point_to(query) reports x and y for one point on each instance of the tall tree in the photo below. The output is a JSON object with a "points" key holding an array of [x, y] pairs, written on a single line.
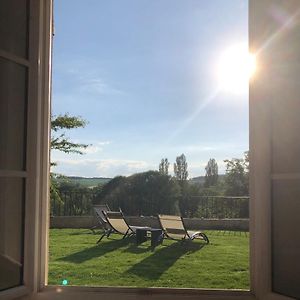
{"points": [[164, 166], [180, 168], [181, 175], [237, 176], [211, 175]]}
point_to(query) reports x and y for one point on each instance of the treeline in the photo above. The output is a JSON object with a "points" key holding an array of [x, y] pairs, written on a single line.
{"points": [[153, 192]]}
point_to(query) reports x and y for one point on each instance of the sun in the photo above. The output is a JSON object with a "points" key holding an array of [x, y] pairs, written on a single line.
{"points": [[235, 67]]}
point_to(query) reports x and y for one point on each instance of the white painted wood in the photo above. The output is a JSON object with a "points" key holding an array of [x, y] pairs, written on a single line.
{"points": [[74, 293], [11, 173], [14, 293], [38, 145], [286, 176], [265, 34], [14, 58]]}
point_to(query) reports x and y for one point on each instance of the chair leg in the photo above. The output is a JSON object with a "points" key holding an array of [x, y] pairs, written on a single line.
{"points": [[124, 236], [205, 237], [93, 229], [109, 232], [102, 236]]}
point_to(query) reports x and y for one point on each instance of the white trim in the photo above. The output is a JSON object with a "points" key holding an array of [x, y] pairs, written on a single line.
{"points": [[11, 173], [37, 188], [14, 293], [273, 296], [91, 293], [14, 58]]}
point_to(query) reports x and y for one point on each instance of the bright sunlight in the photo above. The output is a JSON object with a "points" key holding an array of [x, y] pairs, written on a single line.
{"points": [[234, 69]]}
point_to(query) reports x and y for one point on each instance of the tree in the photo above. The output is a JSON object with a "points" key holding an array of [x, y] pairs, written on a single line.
{"points": [[180, 169], [164, 166], [59, 141], [237, 176], [211, 176], [181, 175], [147, 193]]}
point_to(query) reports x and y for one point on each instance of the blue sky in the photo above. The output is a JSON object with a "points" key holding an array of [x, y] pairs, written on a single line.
{"points": [[143, 73]]}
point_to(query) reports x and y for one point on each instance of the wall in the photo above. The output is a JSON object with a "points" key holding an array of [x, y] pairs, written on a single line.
{"points": [[208, 224]]}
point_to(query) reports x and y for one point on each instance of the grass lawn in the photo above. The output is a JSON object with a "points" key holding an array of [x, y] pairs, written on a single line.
{"points": [[75, 256]]}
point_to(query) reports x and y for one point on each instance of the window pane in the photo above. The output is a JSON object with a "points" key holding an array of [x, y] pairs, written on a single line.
{"points": [[13, 100], [14, 26], [166, 103], [11, 231]]}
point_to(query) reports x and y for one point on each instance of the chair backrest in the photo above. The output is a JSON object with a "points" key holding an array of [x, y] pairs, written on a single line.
{"points": [[172, 226], [116, 221], [99, 209]]}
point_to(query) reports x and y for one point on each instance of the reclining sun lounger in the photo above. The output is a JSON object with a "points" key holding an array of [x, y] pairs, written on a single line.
{"points": [[99, 209], [173, 227], [116, 223]]}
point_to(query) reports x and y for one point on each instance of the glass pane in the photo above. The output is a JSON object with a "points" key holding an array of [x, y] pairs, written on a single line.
{"points": [[11, 231], [14, 26], [13, 98], [166, 101], [286, 243]]}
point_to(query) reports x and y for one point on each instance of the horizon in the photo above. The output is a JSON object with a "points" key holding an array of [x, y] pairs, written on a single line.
{"points": [[145, 80]]}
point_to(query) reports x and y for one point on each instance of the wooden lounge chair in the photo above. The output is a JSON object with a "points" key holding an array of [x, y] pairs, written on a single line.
{"points": [[173, 227], [117, 224], [99, 209]]}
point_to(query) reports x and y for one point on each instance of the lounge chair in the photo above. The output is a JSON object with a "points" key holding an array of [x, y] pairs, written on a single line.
{"points": [[99, 209], [116, 223], [173, 227]]}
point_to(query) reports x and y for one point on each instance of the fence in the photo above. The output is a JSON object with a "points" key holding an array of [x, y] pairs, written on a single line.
{"points": [[73, 204], [209, 207], [221, 207]]}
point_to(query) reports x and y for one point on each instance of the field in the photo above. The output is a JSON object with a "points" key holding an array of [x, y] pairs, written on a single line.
{"points": [[88, 182], [76, 258]]}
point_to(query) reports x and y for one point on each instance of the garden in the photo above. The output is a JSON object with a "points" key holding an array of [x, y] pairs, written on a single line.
{"points": [[76, 259]]}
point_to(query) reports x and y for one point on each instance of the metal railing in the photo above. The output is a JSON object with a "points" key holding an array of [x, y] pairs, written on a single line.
{"points": [[209, 207], [72, 204], [222, 207]]}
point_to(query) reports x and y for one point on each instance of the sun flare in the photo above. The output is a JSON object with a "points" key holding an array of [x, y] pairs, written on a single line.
{"points": [[235, 67]]}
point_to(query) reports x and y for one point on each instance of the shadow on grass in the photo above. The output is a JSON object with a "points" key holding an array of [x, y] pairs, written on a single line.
{"points": [[155, 265], [96, 251], [81, 232]]}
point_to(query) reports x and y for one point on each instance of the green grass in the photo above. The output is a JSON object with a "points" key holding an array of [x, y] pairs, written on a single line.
{"points": [[75, 256]]}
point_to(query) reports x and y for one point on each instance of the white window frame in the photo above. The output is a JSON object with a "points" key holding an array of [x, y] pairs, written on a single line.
{"points": [[37, 220]]}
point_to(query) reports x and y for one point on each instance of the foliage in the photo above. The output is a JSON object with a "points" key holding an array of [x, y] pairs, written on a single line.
{"points": [[222, 264], [211, 176], [147, 193], [181, 175], [180, 168], [68, 198], [237, 176], [59, 141], [164, 166]]}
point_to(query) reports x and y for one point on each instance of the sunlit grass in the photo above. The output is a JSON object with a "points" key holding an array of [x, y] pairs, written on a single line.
{"points": [[75, 257]]}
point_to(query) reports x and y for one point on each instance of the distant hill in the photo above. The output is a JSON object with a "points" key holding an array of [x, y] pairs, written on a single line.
{"points": [[94, 181], [87, 181], [201, 179]]}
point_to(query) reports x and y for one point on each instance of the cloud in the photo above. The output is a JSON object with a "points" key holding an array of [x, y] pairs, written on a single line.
{"points": [[97, 85], [87, 76], [95, 147], [101, 168]]}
